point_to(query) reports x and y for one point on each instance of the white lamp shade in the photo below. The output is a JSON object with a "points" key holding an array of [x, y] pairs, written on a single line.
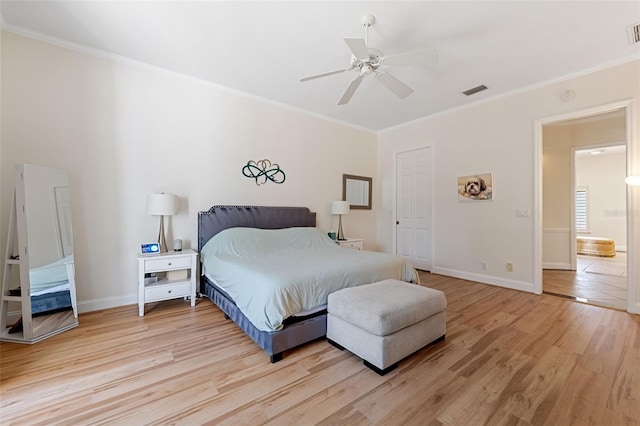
{"points": [[339, 207], [162, 204], [633, 180]]}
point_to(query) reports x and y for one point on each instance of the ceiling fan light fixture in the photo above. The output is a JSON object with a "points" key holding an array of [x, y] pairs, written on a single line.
{"points": [[366, 60]]}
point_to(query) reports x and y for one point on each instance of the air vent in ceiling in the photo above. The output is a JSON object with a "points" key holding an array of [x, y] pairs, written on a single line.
{"points": [[475, 90], [634, 33]]}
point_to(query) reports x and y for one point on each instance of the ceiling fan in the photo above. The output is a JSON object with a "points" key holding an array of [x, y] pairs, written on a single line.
{"points": [[368, 61]]}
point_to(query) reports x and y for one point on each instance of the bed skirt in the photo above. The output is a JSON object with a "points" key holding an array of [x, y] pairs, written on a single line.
{"points": [[51, 302], [274, 343]]}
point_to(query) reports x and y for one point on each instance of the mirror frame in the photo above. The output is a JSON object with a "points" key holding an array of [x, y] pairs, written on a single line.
{"points": [[369, 180]]}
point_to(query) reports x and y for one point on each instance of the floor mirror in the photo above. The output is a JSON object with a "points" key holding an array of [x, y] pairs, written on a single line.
{"points": [[38, 286]]}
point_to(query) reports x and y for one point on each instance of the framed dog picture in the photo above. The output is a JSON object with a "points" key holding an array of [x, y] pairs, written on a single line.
{"points": [[475, 188]]}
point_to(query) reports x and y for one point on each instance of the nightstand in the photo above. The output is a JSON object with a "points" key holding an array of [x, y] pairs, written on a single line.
{"points": [[178, 277], [352, 243]]}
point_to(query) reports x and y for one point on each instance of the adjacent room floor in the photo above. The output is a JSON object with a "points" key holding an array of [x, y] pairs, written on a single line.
{"points": [[599, 281]]}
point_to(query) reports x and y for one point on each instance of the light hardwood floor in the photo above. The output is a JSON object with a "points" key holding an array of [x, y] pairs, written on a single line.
{"points": [[599, 281], [509, 358]]}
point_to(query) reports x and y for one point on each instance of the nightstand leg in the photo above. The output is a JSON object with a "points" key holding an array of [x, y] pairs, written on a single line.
{"points": [[141, 289]]}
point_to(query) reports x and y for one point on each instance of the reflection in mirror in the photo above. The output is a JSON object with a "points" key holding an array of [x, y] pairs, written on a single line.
{"points": [[44, 234], [50, 243], [357, 191]]}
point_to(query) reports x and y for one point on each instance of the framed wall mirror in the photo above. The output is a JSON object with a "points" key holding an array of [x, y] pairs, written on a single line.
{"points": [[357, 190]]}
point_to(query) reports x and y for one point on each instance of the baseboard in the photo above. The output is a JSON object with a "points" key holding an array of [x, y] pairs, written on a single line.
{"points": [[106, 303], [90, 305], [557, 265], [13, 316], [485, 279]]}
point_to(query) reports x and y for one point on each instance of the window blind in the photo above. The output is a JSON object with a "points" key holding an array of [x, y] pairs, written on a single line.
{"points": [[581, 210]]}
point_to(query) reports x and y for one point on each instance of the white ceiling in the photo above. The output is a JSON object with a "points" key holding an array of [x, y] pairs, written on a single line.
{"points": [[263, 48]]}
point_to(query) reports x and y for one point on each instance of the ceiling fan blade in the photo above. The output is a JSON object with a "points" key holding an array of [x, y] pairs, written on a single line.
{"points": [[324, 74], [351, 89], [421, 57], [396, 86], [358, 47]]}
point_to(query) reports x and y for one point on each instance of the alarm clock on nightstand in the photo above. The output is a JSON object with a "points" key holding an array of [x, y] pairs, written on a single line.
{"points": [[150, 248]]}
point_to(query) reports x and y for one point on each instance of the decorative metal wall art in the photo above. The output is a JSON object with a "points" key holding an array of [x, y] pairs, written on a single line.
{"points": [[262, 171]]}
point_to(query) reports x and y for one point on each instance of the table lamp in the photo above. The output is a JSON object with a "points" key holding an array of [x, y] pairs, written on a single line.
{"points": [[340, 208], [162, 205]]}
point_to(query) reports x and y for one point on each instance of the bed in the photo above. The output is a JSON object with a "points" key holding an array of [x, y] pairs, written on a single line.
{"points": [[50, 287], [245, 252]]}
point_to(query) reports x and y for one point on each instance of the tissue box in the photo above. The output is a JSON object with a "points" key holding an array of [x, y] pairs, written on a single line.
{"points": [[180, 274]]}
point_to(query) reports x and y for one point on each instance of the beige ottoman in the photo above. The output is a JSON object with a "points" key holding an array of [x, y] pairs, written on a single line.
{"points": [[386, 321], [594, 246]]}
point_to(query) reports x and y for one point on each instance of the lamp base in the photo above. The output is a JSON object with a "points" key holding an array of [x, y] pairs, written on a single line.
{"points": [[161, 238], [340, 233]]}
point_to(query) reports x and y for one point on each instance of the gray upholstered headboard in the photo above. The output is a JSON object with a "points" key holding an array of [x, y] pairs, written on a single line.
{"points": [[219, 218]]}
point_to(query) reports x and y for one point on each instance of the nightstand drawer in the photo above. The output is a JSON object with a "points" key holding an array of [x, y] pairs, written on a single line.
{"points": [[151, 265], [167, 291], [355, 244]]}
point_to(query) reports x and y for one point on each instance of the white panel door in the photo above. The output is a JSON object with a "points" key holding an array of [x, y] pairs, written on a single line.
{"points": [[413, 210]]}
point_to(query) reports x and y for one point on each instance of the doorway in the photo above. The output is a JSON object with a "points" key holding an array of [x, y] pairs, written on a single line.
{"points": [[584, 209], [414, 217]]}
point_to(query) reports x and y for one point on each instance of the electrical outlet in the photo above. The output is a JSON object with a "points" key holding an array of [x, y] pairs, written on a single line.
{"points": [[510, 267], [485, 266]]}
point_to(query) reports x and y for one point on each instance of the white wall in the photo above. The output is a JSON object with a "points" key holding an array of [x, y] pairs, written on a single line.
{"points": [[604, 176], [124, 131], [559, 141], [556, 192], [498, 136], [557, 158]]}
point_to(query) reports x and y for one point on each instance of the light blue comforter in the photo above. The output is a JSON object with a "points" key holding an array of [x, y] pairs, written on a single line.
{"points": [[273, 274], [51, 275]]}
